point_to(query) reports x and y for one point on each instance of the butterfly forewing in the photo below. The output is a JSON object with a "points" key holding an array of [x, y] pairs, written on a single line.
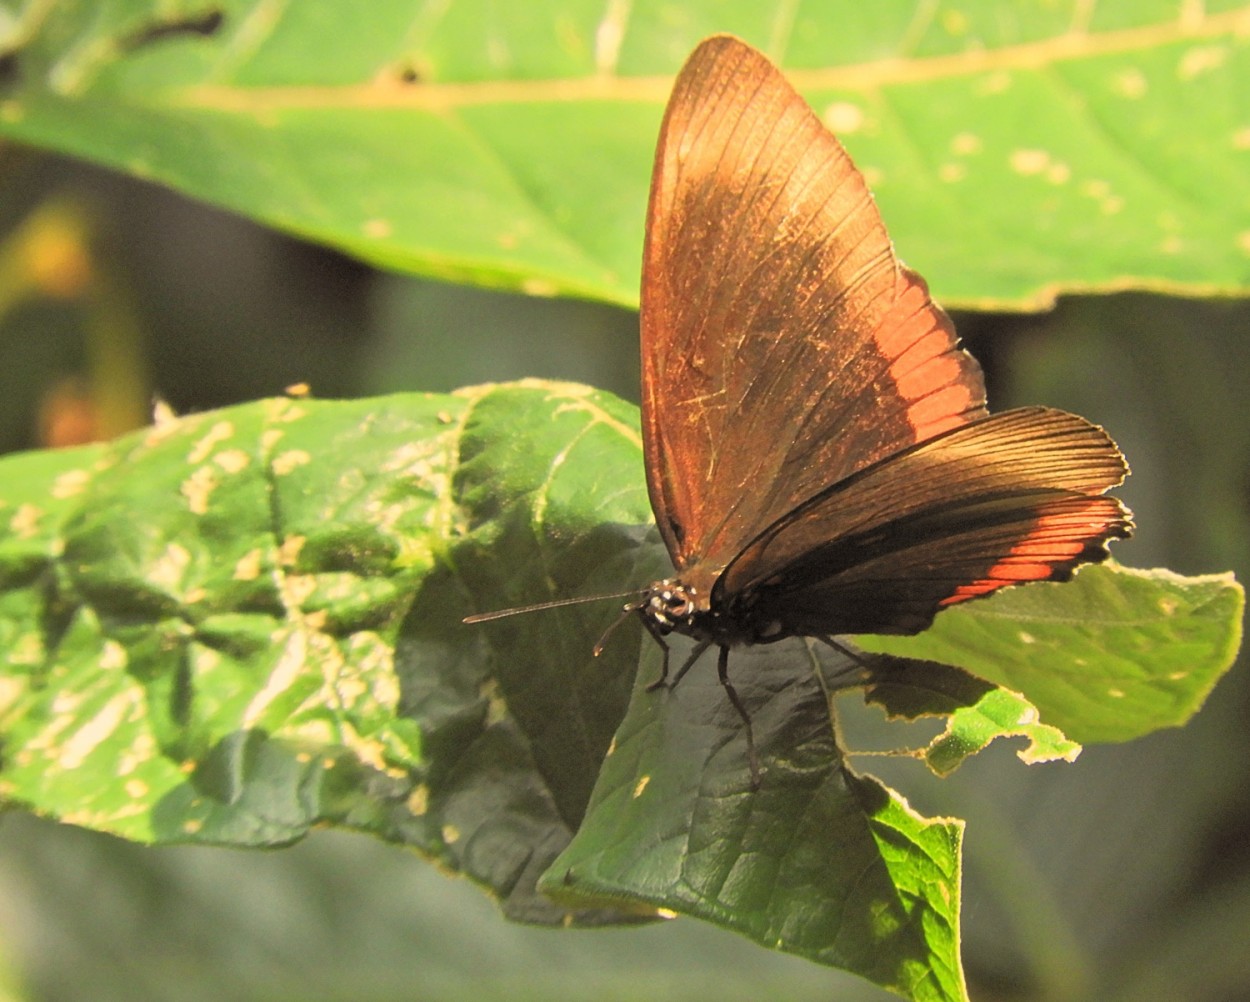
{"points": [[783, 345]]}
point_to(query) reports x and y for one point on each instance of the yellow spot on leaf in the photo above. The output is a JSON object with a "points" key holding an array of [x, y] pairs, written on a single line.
{"points": [[965, 144], [248, 566], [232, 460], [843, 117], [25, 521], [96, 731], [218, 433], [451, 834], [641, 785], [378, 229], [70, 483], [1029, 161], [1058, 173], [1201, 60], [113, 657], [1131, 84], [290, 460], [419, 800], [169, 569], [539, 287], [289, 551], [198, 488]]}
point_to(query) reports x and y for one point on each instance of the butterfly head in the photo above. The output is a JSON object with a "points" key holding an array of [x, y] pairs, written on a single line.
{"points": [[670, 606]]}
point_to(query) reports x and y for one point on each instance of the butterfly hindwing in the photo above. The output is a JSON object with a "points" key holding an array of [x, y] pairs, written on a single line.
{"points": [[1010, 498]]}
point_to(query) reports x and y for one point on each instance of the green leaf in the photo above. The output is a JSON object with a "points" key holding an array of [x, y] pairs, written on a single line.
{"points": [[236, 625], [977, 711], [1062, 147], [817, 861], [1109, 656]]}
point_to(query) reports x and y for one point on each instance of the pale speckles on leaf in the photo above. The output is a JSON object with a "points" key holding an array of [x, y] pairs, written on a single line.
{"points": [[113, 657], [98, 729], [419, 800], [70, 484], [25, 521], [26, 649], [290, 664], [296, 588], [136, 789], [1115, 693], [451, 834], [1201, 59], [843, 118], [290, 460], [1168, 606], [233, 460], [192, 826], [1058, 173], [1026, 638], [198, 488], [11, 690], [247, 568], [953, 21], [220, 432], [378, 229], [289, 550], [640, 786], [142, 749], [1029, 162], [1131, 84], [271, 437], [541, 287], [952, 172], [169, 569], [966, 144], [993, 83], [608, 35], [283, 410]]}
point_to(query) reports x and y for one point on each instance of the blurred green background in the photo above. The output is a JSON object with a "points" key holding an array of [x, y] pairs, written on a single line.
{"points": [[1125, 875], [1131, 865]]}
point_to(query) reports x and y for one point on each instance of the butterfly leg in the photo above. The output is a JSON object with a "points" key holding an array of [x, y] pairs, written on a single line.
{"points": [[856, 657], [658, 637], [722, 672]]}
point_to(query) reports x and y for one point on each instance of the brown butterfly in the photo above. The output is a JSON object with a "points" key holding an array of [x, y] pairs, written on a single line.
{"points": [[819, 456]]}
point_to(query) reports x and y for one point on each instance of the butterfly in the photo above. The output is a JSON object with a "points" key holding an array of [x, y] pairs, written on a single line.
{"points": [[819, 456]]}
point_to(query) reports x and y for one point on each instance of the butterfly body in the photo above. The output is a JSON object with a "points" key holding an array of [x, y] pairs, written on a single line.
{"points": [[818, 451]]}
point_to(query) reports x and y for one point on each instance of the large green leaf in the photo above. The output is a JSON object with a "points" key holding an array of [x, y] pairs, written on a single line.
{"points": [[1016, 153], [236, 625]]}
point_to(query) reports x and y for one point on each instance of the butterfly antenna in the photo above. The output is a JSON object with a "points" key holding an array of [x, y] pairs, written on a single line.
{"points": [[485, 617]]}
